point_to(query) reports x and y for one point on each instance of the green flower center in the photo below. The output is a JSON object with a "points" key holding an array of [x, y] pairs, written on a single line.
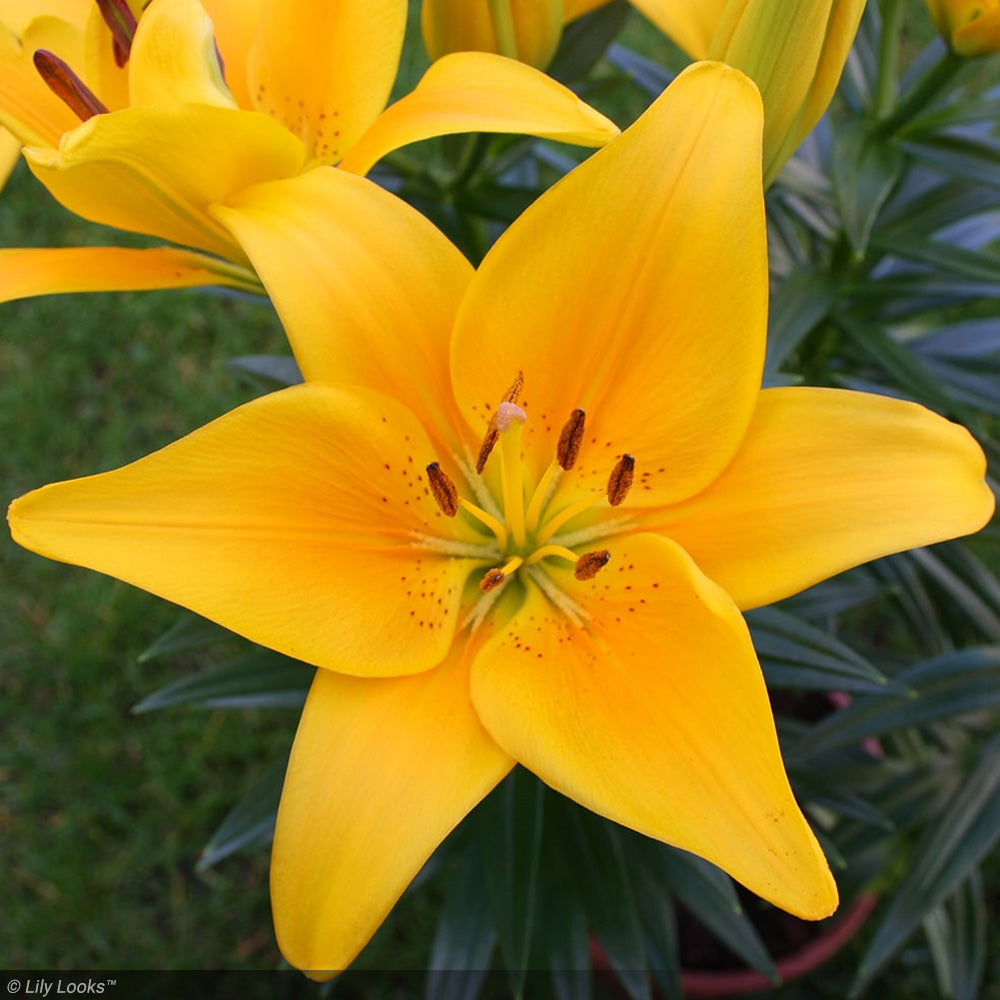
{"points": [[528, 533]]}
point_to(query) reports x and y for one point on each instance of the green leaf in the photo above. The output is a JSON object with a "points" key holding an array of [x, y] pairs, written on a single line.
{"points": [[562, 939], [796, 654], [865, 170], [261, 679], [956, 931], [975, 264], [946, 855], [268, 370], [509, 825], [963, 157], [917, 211], [959, 582], [945, 687], [585, 40], [594, 849], [900, 363], [799, 305], [465, 936], [709, 894], [250, 823], [191, 631]]}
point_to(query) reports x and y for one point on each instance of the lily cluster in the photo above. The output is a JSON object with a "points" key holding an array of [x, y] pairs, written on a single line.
{"points": [[515, 513]]}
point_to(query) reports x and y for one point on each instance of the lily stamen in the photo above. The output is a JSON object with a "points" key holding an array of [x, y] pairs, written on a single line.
{"points": [[443, 489], [494, 577], [620, 480], [67, 86], [590, 564], [121, 23], [570, 439]]}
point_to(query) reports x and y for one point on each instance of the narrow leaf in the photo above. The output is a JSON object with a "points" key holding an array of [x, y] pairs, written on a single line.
{"points": [[465, 936], [261, 679], [946, 855], [250, 823]]}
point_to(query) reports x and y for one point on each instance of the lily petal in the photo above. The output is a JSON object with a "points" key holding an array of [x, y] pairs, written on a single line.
{"points": [[480, 92], [826, 480], [28, 109], [621, 287], [17, 14], [690, 23], [380, 773], [46, 270], [10, 153], [235, 27], [366, 287], [980, 36], [325, 70], [289, 520], [155, 170], [654, 714], [174, 59]]}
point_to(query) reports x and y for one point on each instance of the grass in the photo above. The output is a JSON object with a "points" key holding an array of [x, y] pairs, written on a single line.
{"points": [[104, 813]]}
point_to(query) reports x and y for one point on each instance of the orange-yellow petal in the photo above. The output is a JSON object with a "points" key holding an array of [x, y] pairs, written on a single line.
{"points": [[47, 270], [28, 108], [366, 287], [635, 289], [979, 37], [156, 170], [828, 479], [10, 153], [690, 23], [17, 14], [325, 70], [380, 773], [295, 520], [235, 27], [174, 58], [654, 714], [531, 34], [480, 92]]}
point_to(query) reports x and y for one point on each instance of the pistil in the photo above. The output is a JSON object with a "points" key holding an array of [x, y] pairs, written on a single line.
{"points": [[510, 426]]}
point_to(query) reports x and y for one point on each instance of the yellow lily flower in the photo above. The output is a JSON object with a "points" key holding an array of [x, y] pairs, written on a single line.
{"points": [[970, 27], [573, 605], [305, 86]]}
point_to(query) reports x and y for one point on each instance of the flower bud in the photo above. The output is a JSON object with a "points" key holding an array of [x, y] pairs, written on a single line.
{"points": [[527, 30], [794, 50], [970, 27]]}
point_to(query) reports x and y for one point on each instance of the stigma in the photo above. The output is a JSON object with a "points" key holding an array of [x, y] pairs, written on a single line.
{"points": [[531, 528]]}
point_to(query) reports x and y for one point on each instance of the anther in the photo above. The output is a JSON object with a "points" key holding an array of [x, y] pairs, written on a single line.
{"points": [[494, 577], [492, 580], [620, 480], [443, 489], [590, 564], [493, 432], [121, 23], [570, 439], [67, 86]]}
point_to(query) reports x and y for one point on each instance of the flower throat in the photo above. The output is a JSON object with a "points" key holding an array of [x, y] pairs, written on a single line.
{"points": [[527, 534]]}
